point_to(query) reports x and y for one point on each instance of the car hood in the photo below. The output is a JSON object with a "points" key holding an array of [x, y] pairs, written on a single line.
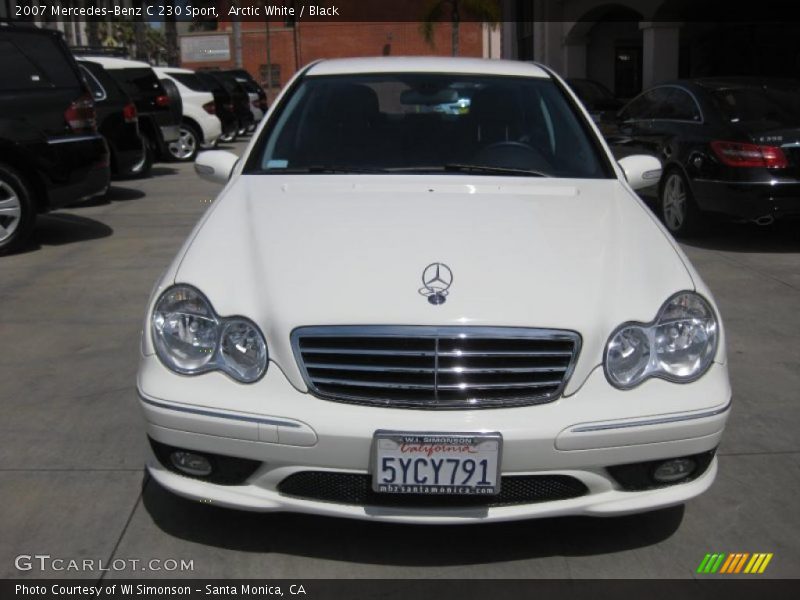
{"points": [[332, 250]]}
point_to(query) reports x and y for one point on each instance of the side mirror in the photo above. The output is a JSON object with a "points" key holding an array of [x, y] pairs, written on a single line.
{"points": [[641, 170], [215, 165]]}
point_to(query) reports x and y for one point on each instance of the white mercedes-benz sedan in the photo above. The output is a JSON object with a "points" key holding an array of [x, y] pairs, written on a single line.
{"points": [[399, 310]]}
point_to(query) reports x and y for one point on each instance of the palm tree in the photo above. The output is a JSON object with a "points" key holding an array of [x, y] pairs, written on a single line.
{"points": [[139, 38], [483, 10]]}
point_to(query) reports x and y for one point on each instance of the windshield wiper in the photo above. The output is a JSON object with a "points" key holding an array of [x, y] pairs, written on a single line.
{"points": [[466, 168], [324, 169], [452, 167]]}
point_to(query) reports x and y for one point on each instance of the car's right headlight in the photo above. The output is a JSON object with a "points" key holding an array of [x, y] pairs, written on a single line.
{"points": [[678, 345], [191, 339]]}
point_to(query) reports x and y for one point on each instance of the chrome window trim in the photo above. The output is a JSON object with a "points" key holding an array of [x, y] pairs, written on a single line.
{"points": [[675, 86], [434, 332], [68, 139], [87, 72], [764, 183]]}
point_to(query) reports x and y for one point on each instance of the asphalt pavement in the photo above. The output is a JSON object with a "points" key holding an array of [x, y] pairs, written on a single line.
{"points": [[72, 483]]}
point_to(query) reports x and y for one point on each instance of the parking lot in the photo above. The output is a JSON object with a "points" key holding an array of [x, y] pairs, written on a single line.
{"points": [[73, 486]]}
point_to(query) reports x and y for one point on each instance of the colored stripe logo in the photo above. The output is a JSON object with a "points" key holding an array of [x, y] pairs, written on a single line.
{"points": [[735, 563]]}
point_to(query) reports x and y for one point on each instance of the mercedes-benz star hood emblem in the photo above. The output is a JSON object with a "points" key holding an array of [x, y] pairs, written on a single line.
{"points": [[436, 281]]}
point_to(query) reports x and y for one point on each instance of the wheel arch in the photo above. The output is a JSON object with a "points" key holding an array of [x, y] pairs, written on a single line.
{"points": [[198, 130], [667, 168], [31, 177]]}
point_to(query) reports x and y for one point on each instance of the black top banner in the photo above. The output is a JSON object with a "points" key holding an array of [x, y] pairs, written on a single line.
{"points": [[490, 11]]}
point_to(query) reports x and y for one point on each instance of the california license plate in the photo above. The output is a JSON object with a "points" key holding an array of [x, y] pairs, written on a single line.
{"points": [[436, 463]]}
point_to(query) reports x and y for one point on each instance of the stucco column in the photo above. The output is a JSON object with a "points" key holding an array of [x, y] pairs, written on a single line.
{"points": [[575, 57], [661, 44], [491, 41], [507, 37]]}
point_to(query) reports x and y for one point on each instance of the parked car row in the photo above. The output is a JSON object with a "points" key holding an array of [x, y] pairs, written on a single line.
{"points": [[156, 112], [51, 153], [72, 119], [728, 145]]}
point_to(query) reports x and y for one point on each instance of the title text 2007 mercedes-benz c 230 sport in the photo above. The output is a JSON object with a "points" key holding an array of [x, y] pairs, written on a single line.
{"points": [[428, 293]]}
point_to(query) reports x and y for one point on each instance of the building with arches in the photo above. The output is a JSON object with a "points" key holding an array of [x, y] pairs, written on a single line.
{"points": [[629, 45]]}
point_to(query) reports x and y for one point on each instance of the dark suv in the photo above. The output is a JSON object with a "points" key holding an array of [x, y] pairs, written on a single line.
{"points": [[223, 102], [159, 122], [239, 98], [117, 121], [50, 152]]}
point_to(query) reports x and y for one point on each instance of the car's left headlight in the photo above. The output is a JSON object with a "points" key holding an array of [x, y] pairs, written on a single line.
{"points": [[190, 338], [678, 345]]}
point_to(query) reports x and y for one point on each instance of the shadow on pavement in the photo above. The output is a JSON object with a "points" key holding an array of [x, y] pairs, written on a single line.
{"points": [[402, 544], [57, 229], [114, 194], [160, 172], [780, 237]]}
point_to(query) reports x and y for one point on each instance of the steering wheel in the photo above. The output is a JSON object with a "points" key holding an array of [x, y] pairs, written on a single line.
{"points": [[513, 154], [509, 144]]}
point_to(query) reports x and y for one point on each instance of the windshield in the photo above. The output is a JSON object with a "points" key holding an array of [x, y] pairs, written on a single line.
{"points": [[421, 122]]}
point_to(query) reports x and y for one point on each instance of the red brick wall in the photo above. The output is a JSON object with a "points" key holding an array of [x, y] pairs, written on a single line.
{"points": [[317, 40]]}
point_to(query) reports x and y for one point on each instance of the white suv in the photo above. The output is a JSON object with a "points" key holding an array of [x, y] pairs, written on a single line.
{"points": [[201, 127]]}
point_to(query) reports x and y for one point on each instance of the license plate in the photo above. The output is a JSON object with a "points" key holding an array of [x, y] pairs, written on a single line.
{"points": [[436, 463]]}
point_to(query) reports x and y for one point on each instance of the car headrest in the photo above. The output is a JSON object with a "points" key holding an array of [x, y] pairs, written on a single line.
{"points": [[352, 101], [497, 114], [495, 104]]}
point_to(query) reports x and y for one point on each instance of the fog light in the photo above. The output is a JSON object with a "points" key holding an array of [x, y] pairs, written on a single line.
{"points": [[674, 470], [191, 463]]}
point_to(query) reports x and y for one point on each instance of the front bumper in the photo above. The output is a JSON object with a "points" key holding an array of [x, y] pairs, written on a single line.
{"points": [[211, 129], [289, 432], [170, 133]]}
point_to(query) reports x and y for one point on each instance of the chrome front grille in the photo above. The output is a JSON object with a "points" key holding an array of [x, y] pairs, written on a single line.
{"points": [[435, 367]]}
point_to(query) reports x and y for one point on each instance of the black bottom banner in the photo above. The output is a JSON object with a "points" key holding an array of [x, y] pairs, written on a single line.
{"points": [[402, 589]]}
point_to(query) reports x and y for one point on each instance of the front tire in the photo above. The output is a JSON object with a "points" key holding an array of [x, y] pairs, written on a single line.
{"points": [[185, 148], [17, 209], [676, 206]]}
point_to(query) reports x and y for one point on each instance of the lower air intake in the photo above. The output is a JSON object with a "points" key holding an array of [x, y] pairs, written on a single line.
{"points": [[356, 488]]}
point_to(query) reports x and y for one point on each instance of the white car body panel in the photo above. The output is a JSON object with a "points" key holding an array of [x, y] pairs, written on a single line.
{"points": [[337, 437], [193, 101], [428, 64], [258, 114], [578, 253], [288, 251]]}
